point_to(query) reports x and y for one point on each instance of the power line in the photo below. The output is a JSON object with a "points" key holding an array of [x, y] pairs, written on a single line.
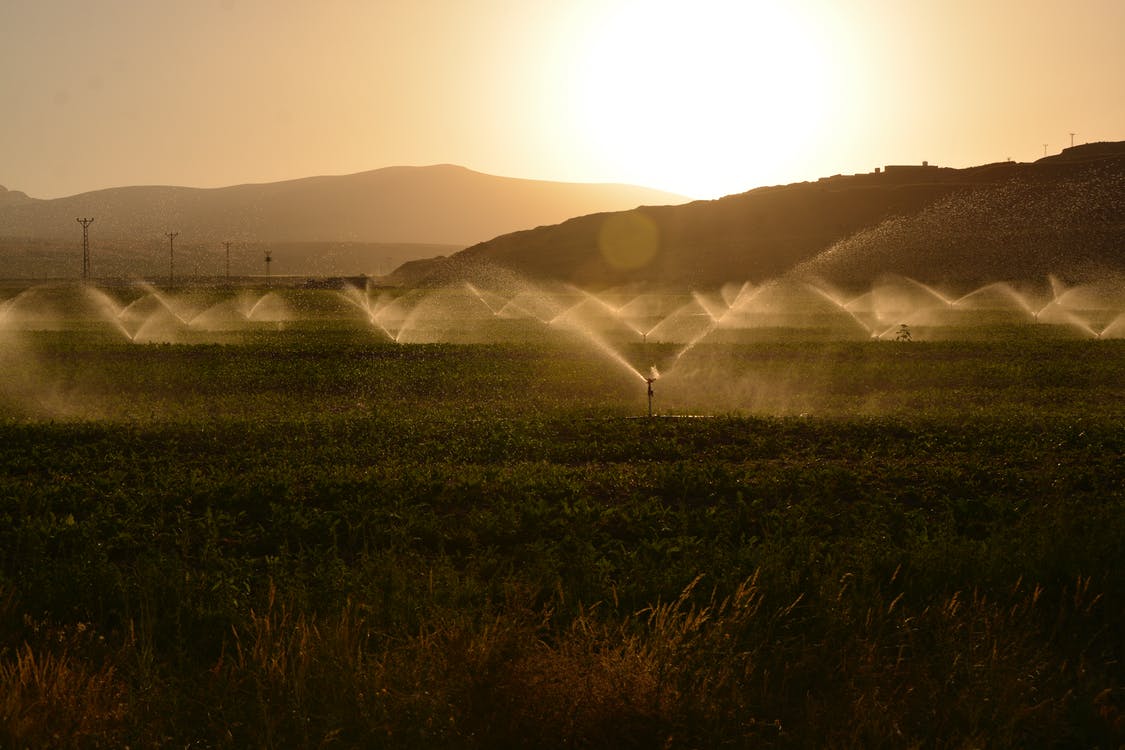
{"points": [[85, 248], [172, 257]]}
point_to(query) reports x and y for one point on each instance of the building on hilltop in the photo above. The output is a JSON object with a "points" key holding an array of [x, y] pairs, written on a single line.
{"points": [[893, 172], [907, 169]]}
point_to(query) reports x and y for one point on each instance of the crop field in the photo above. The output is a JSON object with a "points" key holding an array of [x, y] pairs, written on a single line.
{"points": [[307, 531]]}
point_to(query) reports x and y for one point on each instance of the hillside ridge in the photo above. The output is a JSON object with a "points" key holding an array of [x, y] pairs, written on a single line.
{"points": [[1063, 214]]}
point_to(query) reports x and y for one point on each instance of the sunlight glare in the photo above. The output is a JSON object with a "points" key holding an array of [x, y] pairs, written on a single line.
{"points": [[705, 98]]}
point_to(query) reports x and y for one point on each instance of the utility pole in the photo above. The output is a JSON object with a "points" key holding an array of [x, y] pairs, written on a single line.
{"points": [[268, 259], [85, 248], [1072, 140], [1044, 149], [227, 246], [172, 257]]}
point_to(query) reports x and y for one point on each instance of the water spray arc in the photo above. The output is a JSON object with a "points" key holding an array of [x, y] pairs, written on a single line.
{"points": [[720, 327]]}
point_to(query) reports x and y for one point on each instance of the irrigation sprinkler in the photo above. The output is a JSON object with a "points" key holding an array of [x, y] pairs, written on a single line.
{"points": [[652, 373], [653, 376]]}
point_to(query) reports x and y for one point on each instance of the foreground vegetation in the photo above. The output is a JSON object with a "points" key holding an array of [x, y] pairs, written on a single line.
{"points": [[347, 544]]}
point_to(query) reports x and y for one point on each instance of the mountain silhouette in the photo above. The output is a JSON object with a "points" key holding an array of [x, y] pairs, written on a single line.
{"points": [[1063, 215], [434, 207]]}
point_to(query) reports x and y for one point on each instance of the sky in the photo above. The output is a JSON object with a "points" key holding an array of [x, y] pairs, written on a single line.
{"points": [[701, 98]]}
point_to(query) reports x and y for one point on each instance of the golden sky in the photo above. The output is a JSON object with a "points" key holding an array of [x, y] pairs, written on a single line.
{"points": [[699, 97]]}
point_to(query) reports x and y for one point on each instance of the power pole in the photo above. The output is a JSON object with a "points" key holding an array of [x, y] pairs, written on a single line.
{"points": [[172, 257], [1072, 140], [1044, 149], [268, 259], [227, 246], [85, 248]]}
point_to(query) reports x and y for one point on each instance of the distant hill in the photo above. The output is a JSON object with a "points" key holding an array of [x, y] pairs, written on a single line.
{"points": [[441, 207], [1063, 215], [1068, 222]]}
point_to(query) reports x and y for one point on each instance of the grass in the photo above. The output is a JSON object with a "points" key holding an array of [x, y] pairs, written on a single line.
{"points": [[329, 542]]}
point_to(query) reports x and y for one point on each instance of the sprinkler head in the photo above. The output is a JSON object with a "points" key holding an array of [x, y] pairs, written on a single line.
{"points": [[653, 375]]}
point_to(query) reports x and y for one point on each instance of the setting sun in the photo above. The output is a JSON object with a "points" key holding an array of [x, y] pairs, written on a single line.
{"points": [[704, 101]]}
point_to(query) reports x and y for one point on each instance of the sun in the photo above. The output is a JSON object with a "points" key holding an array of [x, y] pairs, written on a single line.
{"points": [[704, 98]]}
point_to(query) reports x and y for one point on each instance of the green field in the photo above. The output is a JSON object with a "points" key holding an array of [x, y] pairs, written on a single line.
{"points": [[317, 538]]}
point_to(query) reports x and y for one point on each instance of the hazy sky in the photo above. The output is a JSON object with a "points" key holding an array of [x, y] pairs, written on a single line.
{"points": [[700, 97]]}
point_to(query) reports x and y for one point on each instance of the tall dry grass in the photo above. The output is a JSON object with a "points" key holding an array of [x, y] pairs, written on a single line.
{"points": [[56, 700], [837, 668]]}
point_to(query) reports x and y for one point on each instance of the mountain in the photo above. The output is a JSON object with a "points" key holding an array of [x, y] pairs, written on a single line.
{"points": [[11, 197], [441, 206], [1063, 215]]}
